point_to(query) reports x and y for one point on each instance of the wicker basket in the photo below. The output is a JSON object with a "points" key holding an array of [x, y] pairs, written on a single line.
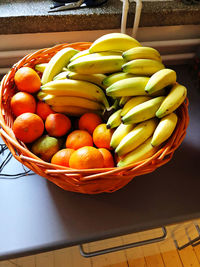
{"points": [[90, 181]]}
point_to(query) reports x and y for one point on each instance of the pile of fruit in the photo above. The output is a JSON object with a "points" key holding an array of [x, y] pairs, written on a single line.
{"points": [[113, 104]]}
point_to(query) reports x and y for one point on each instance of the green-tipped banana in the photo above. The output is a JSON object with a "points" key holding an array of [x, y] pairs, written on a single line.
{"points": [[134, 101], [144, 111], [141, 53], [80, 54], [60, 76], [57, 62], [172, 101], [112, 78], [136, 137], [53, 100], [164, 129], [145, 67], [69, 87], [72, 110], [40, 67], [128, 87], [121, 131], [93, 78], [96, 64], [160, 79], [144, 151], [123, 100], [113, 41], [114, 120]]}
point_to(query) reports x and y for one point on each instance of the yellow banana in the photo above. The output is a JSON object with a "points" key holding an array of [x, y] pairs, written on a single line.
{"points": [[93, 78], [53, 100], [69, 87], [114, 120], [142, 152], [80, 54], [112, 78], [172, 101], [123, 100], [164, 129], [128, 87], [141, 52], [57, 62], [72, 110], [160, 79], [143, 111], [60, 76], [120, 132], [144, 67], [40, 67], [96, 64], [136, 137], [113, 41], [134, 101]]}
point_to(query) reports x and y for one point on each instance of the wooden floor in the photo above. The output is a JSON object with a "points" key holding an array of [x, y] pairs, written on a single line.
{"points": [[155, 255]]}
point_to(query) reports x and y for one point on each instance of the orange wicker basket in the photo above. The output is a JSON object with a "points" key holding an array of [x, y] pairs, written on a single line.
{"points": [[87, 181]]}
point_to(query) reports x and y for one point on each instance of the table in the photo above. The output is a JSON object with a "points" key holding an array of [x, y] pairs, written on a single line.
{"points": [[38, 216]]}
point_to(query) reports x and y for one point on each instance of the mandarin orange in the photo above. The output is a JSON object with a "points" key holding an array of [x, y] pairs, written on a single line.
{"points": [[78, 139], [22, 102], [89, 121], [27, 80], [86, 157], [27, 127]]}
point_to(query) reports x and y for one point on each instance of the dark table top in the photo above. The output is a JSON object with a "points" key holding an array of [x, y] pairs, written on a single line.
{"points": [[38, 216]]}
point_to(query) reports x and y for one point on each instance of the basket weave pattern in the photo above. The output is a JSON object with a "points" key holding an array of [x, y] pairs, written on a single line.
{"points": [[90, 181]]}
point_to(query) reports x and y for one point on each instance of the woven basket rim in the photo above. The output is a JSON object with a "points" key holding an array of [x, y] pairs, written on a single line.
{"points": [[50, 171]]}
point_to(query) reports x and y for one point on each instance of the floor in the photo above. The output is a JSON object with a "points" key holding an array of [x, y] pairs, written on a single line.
{"points": [[155, 255]]}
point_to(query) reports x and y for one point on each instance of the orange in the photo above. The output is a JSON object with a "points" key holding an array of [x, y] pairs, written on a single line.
{"points": [[22, 102], [43, 110], [89, 121], [102, 136], [86, 157], [57, 124], [27, 127], [108, 158], [78, 138], [27, 80], [62, 157]]}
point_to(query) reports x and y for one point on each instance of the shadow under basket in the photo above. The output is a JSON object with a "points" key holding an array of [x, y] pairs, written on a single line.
{"points": [[88, 181]]}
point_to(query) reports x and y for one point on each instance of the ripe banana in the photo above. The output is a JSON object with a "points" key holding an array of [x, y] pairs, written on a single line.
{"points": [[112, 78], [114, 120], [134, 101], [142, 152], [143, 111], [160, 79], [120, 132], [80, 54], [145, 67], [96, 64], [54, 100], [113, 41], [123, 100], [93, 78], [60, 76], [164, 129], [172, 101], [136, 137], [128, 87], [40, 67], [69, 87], [72, 110], [141, 52], [57, 62]]}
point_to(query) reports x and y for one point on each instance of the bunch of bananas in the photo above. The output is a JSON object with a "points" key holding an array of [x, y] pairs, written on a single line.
{"points": [[117, 69]]}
